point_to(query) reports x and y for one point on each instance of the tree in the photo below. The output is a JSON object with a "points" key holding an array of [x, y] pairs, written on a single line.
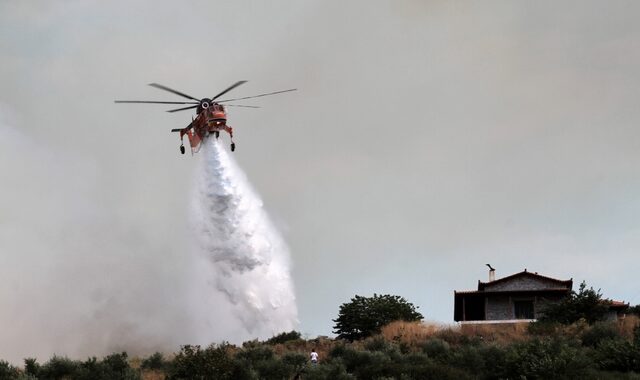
{"points": [[634, 310], [365, 316], [586, 304]]}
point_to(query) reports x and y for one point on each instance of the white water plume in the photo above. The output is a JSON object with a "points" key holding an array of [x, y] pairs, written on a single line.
{"points": [[243, 288]]}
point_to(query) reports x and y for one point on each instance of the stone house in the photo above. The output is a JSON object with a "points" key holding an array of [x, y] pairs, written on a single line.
{"points": [[617, 310], [515, 298]]}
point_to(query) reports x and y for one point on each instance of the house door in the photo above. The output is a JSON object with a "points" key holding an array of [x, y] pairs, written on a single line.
{"points": [[523, 309]]}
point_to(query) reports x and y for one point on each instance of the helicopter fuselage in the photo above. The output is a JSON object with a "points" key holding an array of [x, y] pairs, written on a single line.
{"points": [[211, 119]]}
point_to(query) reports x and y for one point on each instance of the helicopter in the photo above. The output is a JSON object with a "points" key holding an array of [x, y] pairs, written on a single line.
{"points": [[211, 116]]}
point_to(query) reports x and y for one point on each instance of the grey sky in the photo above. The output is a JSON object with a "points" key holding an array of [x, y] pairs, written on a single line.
{"points": [[427, 139]]}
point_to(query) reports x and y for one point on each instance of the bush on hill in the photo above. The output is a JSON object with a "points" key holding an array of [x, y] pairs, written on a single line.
{"points": [[155, 362], [284, 337], [7, 371]]}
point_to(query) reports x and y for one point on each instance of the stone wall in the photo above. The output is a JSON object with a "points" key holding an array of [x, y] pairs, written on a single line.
{"points": [[498, 308]]}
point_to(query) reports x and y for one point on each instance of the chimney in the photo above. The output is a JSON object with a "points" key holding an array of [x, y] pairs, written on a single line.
{"points": [[492, 273]]}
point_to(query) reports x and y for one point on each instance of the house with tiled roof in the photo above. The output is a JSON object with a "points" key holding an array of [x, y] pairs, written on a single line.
{"points": [[518, 297]]}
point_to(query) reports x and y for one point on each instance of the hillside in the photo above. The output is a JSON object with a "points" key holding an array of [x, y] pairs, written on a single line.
{"points": [[402, 351]]}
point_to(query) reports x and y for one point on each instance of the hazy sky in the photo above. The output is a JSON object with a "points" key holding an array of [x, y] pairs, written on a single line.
{"points": [[427, 138]]}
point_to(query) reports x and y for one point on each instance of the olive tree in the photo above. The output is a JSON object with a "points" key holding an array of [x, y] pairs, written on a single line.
{"points": [[365, 316]]}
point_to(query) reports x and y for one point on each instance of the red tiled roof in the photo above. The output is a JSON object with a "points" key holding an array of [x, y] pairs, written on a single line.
{"points": [[616, 304]]}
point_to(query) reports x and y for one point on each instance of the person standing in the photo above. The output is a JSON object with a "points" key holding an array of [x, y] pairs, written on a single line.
{"points": [[314, 357]]}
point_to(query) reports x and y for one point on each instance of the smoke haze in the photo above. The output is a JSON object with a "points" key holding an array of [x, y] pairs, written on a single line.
{"points": [[78, 280], [427, 138]]}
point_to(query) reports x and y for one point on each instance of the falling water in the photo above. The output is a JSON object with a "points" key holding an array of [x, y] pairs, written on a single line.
{"points": [[244, 289]]}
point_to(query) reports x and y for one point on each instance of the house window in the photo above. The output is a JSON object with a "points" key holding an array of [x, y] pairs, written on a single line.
{"points": [[523, 309]]}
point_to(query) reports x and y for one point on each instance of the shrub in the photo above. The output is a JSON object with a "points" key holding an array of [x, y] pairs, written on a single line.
{"points": [[192, 362], [377, 343], [260, 362], [603, 375], [58, 367], [419, 366], [154, 362], [617, 355], [436, 349], [7, 371], [545, 358], [273, 368], [468, 358], [598, 333], [284, 337], [436, 371], [114, 366], [495, 360], [333, 370], [368, 365], [294, 359], [255, 354], [354, 359]]}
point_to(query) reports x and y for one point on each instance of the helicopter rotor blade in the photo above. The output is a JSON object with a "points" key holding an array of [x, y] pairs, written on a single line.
{"points": [[152, 102], [182, 109], [229, 89], [257, 96], [240, 105], [161, 87]]}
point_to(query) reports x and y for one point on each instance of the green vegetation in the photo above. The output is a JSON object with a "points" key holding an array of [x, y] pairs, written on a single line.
{"points": [[606, 350], [586, 304], [585, 349], [365, 316], [155, 362], [114, 366], [285, 337], [7, 371]]}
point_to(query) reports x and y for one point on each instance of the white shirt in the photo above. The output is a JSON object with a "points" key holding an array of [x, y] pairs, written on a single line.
{"points": [[314, 356]]}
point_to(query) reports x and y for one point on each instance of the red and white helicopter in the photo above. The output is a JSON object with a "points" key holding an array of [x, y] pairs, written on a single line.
{"points": [[211, 116]]}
